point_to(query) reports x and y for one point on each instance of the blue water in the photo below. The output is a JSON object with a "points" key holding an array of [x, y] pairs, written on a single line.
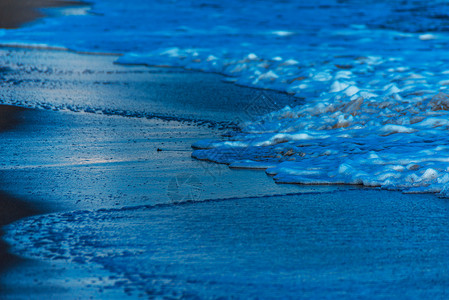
{"points": [[290, 29]]}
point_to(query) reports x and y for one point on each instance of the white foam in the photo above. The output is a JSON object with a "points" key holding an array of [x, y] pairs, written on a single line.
{"points": [[283, 33]]}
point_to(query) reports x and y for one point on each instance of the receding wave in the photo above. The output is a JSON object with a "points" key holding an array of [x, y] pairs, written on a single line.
{"points": [[374, 84]]}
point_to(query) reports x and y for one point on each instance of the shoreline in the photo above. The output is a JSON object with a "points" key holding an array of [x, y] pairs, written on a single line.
{"points": [[63, 49], [131, 171], [110, 163], [287, 99], [91, 192]]}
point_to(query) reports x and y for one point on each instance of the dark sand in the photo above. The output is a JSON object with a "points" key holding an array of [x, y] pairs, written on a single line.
{"points": [[61, 161], [11, 208], [14, 13]]}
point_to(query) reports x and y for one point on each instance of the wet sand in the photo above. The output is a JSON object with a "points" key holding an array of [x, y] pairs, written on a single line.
{"points": [[67, 160]]}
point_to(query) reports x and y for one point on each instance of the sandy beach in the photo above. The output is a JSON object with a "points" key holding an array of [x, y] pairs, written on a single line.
{"points": [[100, 197]]}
